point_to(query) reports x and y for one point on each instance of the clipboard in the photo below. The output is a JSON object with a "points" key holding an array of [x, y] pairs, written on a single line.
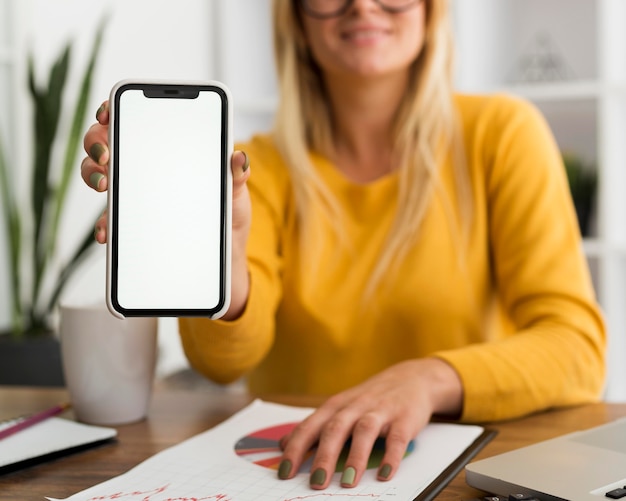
{"points": [[447, 475]]}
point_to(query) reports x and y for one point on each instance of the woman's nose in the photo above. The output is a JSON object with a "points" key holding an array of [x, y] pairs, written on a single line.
{"points": [[363, 5]]}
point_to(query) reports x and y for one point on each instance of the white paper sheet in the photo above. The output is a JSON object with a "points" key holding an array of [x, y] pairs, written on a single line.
{"points": [[207, 467]]}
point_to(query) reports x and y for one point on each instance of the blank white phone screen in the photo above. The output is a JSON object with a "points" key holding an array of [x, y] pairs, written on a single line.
{"points": [[170, 214]]}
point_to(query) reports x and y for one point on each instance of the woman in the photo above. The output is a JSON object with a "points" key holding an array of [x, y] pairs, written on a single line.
{"points": [[407, 250]]}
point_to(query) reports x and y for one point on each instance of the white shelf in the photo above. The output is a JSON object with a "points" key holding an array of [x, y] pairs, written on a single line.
{"points": [[581, 90], [596, 248], [558, 91]]}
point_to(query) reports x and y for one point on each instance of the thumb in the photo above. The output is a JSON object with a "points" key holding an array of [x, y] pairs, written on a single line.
{"points": [[240, 166]]}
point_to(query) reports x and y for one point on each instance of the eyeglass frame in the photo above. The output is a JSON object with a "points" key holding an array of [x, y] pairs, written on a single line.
{"points": [[342, 10]]}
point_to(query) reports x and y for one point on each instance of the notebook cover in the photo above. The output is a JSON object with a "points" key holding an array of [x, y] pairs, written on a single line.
{"points": [[49, 439]]}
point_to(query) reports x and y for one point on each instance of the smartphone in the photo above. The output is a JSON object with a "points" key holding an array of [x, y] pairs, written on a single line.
{"points": [[169, 199]]}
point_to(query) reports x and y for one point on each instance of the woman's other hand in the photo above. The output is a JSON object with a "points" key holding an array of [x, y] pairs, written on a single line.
{"points": [[395, 404]]}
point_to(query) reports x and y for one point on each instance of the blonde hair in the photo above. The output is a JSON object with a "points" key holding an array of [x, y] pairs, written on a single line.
{"points": [[425, 128]]}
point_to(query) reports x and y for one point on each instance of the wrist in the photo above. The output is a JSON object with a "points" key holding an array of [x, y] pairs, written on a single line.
{"points": [[446, 387], [240, 283]]}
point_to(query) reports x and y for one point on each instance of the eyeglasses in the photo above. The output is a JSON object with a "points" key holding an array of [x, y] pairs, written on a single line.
{"points": [[324, 9]]}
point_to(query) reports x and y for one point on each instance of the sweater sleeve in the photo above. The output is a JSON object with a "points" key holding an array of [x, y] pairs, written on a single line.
{"points": [[226, 350], [555, 357]]}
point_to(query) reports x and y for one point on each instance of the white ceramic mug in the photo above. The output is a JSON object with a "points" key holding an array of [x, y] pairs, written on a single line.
{"points": [[109, 363]]}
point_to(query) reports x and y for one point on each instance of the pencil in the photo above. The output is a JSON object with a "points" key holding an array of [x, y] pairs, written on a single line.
{"points": [[29, 421]]}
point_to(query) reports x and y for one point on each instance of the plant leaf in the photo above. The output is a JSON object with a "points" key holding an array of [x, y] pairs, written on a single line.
{"points": [[73, 142], [48, 104], [14, 231]]}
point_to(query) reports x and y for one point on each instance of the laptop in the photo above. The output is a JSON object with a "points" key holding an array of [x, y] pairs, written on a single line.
{"points": [[579, 466]]}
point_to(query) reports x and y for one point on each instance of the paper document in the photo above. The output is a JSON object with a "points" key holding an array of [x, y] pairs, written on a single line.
{"points": [[238, 461]]}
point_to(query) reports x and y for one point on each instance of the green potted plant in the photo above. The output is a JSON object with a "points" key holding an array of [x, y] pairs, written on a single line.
{"points": [[32, 232], [583, 181]]}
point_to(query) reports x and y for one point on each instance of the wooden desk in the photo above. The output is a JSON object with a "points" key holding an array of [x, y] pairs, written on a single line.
{"points": [[176, 415]]}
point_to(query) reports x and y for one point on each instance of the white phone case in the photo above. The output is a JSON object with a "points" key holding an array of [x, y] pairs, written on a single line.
{"points": [[146, 288]]}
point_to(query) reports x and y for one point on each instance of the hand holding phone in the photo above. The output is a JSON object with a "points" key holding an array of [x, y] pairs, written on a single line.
{"points": [[170, 190]]}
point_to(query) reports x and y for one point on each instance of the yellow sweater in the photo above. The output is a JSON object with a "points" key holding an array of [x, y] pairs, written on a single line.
{"points": [[518, 320]]}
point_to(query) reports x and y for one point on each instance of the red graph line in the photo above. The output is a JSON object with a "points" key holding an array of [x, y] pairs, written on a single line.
{"points": [[148, 496], [121, 495], [329, 495]]}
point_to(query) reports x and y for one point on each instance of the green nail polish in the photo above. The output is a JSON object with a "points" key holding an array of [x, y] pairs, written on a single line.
{"points": [[246, 163], [319, 477], [96, 151], [385, 471], [94, 180], [348, 476], [284, 469], [100, 110]]}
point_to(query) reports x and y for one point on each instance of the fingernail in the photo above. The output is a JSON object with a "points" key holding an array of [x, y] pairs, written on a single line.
{"points": [[385, 471], [100, 110], [95, 232], [284, 469], [96, 151], [348, 476], [318, 477], [246, 162], [94, 180]]}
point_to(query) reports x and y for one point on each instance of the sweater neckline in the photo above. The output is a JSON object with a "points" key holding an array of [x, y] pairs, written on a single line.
{"points": [[329, 171]]}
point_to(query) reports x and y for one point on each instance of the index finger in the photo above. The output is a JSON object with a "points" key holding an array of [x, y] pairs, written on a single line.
{"points": [[297, 444], [328, 426]]}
